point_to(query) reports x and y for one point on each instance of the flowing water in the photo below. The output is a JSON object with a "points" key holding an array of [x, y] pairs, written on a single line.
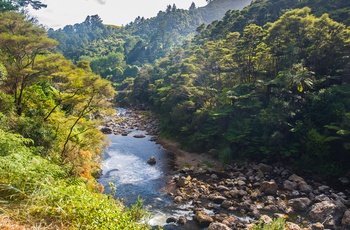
{"points": [[125, 165]]}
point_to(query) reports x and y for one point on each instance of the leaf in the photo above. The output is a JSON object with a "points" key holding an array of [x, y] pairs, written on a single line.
{"points": [[343, 132], [300, 88], [332, 127]]}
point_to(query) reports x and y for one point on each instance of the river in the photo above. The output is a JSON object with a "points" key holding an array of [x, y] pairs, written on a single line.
{"points": [[125, 165]]}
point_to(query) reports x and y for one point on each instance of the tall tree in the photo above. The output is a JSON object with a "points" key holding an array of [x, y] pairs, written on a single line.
{"points": [[20, 44]]}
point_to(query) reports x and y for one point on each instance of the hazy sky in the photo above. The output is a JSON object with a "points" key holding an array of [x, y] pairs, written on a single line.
{"points": [[68, 12]]}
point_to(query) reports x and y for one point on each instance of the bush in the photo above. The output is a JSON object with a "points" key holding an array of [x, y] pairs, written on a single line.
{"points": [[277, 224]]}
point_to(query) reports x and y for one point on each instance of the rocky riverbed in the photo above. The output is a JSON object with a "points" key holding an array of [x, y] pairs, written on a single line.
{"points": [[237, 196]]}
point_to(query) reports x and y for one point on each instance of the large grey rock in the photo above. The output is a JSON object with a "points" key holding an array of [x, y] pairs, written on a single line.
{"points": [[218, 226], [269, 187], [106, 130], [230, 221], [181, 182], [171, 219], [218, 199], [203, 219], [299, 204], [265, 219], [152, 160], [265, 168], [182, 220], [329, 213], [296, 178], [292, 226], [226, 204], [290, 185], [346, 219], [317, 226], [304, 187]]}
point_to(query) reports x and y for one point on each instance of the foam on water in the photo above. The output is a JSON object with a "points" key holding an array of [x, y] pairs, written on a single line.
{"points": [[130, 169]]}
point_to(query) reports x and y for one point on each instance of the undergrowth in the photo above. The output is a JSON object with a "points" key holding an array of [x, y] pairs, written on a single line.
{"points": [[36, 192]]}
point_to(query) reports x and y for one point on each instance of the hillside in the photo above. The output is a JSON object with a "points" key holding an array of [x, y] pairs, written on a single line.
{"points": [[261, 12], [143, 40], [270, 92]]}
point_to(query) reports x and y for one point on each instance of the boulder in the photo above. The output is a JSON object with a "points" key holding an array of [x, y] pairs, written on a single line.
{"points": [[265, 168], [218, 199], [304, 187], [214, 177], [203, 219], [346, 219], [269, 187], [171, 220], [178, 199], [106, 130], [230, 221], [292, 226], [182, 220], [300, 204], [152, 160], [222, 188], [218, 226], [317, 226], [296, 178], [139, 136], [329, 213], [265, 219], [226, 204], [289, 185], [182, 182]]}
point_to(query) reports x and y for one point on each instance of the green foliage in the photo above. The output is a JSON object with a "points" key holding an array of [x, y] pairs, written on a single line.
{"points": [[275, 92], [49, 144], [277, 224], [45, 194], [225, 155], [12, 143]]}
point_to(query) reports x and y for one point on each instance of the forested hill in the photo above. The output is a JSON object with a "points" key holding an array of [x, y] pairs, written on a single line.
{"points": [[277, 90], [262, 11], [143, 40]]}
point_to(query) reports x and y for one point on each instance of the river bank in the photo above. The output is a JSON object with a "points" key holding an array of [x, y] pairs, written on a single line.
{"points": [[237, 196]]}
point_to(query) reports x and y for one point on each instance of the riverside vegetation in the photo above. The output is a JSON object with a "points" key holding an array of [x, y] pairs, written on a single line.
{"points": [[268, 83], [50, 144]]}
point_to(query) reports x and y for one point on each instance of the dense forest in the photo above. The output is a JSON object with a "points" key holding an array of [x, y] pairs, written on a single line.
{"points": [[50, 144], [273, 92], [266, 81]]}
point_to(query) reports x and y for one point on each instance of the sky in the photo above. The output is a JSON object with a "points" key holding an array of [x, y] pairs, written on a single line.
{"points": [[68, 12]]}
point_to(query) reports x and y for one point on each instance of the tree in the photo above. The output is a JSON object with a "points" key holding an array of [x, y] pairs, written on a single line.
{"points": [[21, 43], [12, 5], [193, 6], [6, 6]]}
